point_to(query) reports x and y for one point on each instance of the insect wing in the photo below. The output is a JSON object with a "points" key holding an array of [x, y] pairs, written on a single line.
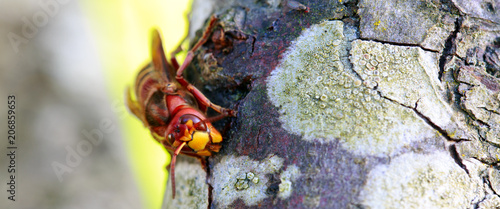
{"points": [[160, 62]]}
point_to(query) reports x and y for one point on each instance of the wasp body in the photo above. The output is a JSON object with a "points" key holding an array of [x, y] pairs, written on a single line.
{"points": [[172, 108]]}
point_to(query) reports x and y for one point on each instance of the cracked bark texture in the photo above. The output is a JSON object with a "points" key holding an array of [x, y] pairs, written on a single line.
{"points": [[349, 104]]}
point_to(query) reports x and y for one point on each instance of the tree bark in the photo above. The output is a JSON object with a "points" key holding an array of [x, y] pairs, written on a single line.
{"points": [[350, 104]]}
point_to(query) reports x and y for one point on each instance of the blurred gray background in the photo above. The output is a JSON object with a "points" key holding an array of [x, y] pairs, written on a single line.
{"points": [[60, 95]]}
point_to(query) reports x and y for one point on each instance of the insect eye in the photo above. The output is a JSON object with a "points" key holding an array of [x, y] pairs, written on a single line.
{"points": [[177, 130], [201, 126], [170, 137], [188, 117]]}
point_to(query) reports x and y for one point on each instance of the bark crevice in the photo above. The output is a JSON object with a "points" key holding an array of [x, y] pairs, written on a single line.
{"points": [[449, 47]]}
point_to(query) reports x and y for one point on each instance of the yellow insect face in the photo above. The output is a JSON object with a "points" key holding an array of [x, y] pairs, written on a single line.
{"points": [[199, 140], [198, 134], [215, 135]]}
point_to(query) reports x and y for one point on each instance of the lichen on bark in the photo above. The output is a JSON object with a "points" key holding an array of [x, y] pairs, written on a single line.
{"points": [[347, 99]]}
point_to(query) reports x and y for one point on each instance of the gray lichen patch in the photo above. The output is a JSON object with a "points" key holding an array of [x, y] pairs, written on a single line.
{"points": [[479, 149], [482, 104], [245, 180], [481, 100], [494, 178], [491, 201], [475, 33], [407, 75], [422, 181], [320, 97], [396, 71], [287, 178], [390, 21], [191, 187], [484, 9], [231, 179]]}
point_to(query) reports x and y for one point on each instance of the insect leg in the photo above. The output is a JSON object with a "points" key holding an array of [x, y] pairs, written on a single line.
{"points": [[190, 55], [133, 106], [204, 101], [173, 60], [193, 90], [214, 118]]}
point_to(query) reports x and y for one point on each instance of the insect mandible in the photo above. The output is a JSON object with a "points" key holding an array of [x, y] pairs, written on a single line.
{"points": [[172, 108]]}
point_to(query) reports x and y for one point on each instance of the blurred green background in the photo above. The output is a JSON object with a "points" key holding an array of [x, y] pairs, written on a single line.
{"points": [[122, 29]]}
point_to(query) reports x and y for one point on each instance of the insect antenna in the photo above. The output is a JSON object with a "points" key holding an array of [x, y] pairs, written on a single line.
{"points": [[172, 167]]}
